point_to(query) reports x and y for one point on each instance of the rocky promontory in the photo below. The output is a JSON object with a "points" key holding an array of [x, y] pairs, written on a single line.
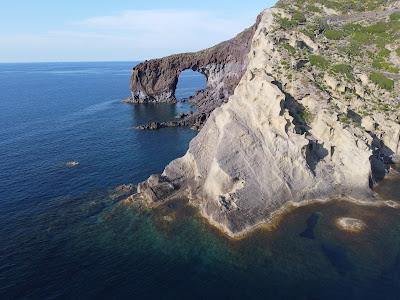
{"points": [[315, 116]]}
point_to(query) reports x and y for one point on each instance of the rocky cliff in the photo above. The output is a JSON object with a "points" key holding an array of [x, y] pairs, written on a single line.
{"points": [[314, 117]]}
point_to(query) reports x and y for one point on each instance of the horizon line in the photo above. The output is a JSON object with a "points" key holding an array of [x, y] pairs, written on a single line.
{"points": [[69, 61]]}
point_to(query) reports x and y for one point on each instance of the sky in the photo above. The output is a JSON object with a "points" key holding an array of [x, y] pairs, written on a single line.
{"points": [[118, 30]]}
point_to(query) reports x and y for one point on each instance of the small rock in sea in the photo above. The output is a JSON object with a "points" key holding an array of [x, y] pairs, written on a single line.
{"points": [[350, 224], [72, 164], [168, 218]]}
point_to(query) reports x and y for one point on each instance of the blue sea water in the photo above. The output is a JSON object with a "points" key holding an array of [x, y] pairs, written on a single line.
{"points": [[65, 235]]}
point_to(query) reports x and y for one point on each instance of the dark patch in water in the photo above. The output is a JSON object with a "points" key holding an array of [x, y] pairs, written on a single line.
{"points": [[311, 222], [338, 258], [394, 271], [173, 205]]}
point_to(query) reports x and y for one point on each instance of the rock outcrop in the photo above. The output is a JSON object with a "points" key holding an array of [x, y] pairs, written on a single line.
{"points": [[291, 132], [223, 65]]}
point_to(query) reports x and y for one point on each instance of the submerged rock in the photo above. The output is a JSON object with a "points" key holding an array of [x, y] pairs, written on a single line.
{"points": [[350, 224], [156, 188]]}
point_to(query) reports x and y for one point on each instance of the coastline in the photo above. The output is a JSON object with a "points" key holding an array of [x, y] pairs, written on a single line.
{"points": [[270, 223], [276, 217]]}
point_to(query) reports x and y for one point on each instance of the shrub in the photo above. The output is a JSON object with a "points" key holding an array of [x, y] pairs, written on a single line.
{"points": [[289, 48], [334, 34], [319, 61], [377, 28], [285, 23], [354, 49], [382, 81], [383, 65], [299, 18], [345, 120], [313, 8], [307, 116], [343, 69], [398, 51], [395, 16], [362, 37], [352, 28]]}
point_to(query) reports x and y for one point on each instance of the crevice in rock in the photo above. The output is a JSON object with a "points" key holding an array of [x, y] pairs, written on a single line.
{"points": [[314, 153], [296, 111], [380, 160]]}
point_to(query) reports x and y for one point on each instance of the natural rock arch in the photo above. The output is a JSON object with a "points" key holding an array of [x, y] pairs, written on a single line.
{"points": [[155, 81], [190, 83]]}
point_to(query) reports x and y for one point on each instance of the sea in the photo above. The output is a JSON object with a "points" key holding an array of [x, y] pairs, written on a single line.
{"points": [[68, 143]]}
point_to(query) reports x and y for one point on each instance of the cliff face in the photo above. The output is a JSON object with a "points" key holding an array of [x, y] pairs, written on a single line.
{"points": [[299, 126], [223, 65]]}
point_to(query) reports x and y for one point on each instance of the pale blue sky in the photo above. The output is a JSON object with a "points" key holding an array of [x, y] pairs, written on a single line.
{"points": [[100, 30]]}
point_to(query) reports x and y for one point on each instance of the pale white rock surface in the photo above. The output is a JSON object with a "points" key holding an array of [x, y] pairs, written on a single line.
{"points": [[248, 161]]}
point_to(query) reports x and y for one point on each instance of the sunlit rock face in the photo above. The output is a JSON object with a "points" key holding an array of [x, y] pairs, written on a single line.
{"points": [[281, 139]]}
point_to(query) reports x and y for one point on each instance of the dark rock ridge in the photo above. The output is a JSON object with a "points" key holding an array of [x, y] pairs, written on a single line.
{"points": [[183, 120], [155, 81]]}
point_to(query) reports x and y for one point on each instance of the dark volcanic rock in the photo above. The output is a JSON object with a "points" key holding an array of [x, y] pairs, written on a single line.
{"points": [[184, 120], [155, 188], [155, 81]]}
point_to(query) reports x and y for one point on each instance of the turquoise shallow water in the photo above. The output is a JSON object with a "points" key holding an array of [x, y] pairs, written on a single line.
{"points": [[63, 234]]}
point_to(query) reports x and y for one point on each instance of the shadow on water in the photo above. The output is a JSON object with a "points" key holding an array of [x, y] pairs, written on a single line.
{"points": [[338, 257], [312, 222], [335, 254]]}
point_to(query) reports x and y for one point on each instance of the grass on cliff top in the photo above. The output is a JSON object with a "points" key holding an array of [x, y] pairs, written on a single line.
{"points": [[382, 81], [290, 49], [296, 19], [319, 62], [343, 69], [343, 6], [380, 61]]}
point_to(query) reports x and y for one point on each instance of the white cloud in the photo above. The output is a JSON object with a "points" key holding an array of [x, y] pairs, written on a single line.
{"points": [[129, 35]]}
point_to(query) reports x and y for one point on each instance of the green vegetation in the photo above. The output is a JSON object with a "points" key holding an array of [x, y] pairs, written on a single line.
{"points": [[357, 5], [380, 34], [380, 62], [289, 48], [319, 61], [307, 117], [395, 16], [332, 34], [297, 19], [353, 50], [398, 51], [313, 8], [385, 66], [343, 69], [345, 120], [382, 81], [286, 23]]}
